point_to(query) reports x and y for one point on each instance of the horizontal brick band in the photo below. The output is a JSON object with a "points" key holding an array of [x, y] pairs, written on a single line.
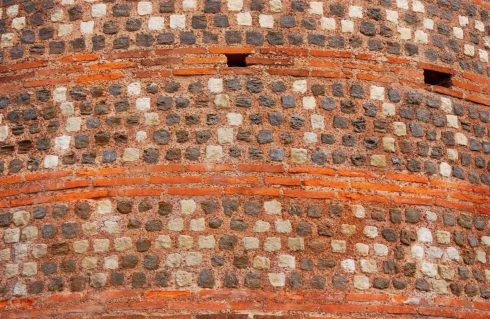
{"points": [[302, 182], [237, 303], [323, 63]]}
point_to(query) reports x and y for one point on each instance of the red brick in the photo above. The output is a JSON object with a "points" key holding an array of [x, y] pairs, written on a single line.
{"points": [[231, 190], [87, 78], [115, 182], [299, 193], [45, 82], [84, 57], [366, 297], [476, 98], [180, 51], [112, 66], [407, 177], [331, 53], [204, 60], [174, 179], [364, 197], [281, 181], [290, 72], [450, 92], [194, 71], [325, 183], [355, 173], [152, 74], [376, 186], [231, 179], [321, 63], [31, 64], [284, 51], [231, 50], [252, 60], [261, 168], [331, 74], [166, 293], [311, 170], [375, 77], [129, 54], [167, 60], [194, 191], [133, 192], [46, 175]]}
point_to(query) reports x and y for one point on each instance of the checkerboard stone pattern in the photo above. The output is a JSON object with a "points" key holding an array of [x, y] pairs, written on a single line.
{"points": [[134, 155]]}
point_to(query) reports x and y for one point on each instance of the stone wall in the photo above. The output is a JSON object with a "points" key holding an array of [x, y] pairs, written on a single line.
{"points": [[252, 158]]}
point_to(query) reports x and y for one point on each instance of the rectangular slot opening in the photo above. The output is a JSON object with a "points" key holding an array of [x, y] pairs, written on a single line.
{"points": [[437, 78], [236, 60]]}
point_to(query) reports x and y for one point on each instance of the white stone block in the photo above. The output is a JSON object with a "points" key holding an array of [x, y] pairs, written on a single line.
{"points": [[424, 235], [188, 206], [225, 136], [309, 102], [234, 119], [131, 154], [275, 5], [347, 26], [309, 138], [273, 207], [189, 5], [99, 10], [214, 152], [316, 7], [445, 169], [244, 18], [234, 5], [355, 11], [134, 89], [50, 161], [73, 124], [327, 23], [418, 6], [144, 8], [19, 23], [250, 243], [377, 93], [215, 85], [104, 206], [317, 122], [348, 265], [286, 261], [428, 24], [177, 21], [155, 23], [392, 16], [4, 132], [87, 27], [266, 21], [277, 279], [299, 155]]}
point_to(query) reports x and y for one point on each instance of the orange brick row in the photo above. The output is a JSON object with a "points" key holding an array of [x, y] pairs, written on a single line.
{"points": [[87, 68], [246, 179], [237, 303]]}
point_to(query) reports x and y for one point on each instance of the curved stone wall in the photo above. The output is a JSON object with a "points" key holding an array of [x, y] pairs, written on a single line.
{"points": [[244, 158]]}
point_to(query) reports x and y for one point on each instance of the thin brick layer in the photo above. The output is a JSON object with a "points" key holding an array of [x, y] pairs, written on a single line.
{"points": [[142, 175]]}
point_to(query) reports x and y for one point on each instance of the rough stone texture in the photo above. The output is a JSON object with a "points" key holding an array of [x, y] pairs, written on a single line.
{"points": [[139, 152]]}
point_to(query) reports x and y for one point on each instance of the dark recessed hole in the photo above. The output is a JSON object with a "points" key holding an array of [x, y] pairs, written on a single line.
{"points": [[437, 78], [236, 60]]}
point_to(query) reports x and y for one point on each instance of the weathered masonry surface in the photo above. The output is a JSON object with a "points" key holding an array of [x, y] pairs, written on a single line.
{"points": [[239, 159]]}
